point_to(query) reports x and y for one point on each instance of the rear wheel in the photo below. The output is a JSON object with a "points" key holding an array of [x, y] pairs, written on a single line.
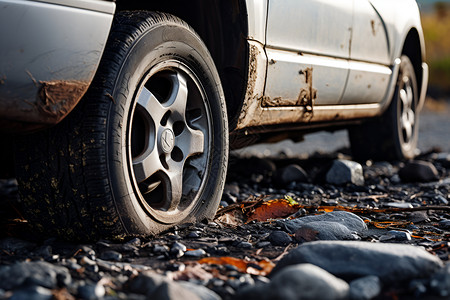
{"points": [[147, 147], [394, 135]]}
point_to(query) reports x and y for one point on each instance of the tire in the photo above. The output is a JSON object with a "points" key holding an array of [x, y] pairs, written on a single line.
{"points": [[146, 148], [394, 135]]}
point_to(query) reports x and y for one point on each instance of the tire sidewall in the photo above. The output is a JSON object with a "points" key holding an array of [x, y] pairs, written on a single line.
{"points": [[156, 44], [404, 150]]}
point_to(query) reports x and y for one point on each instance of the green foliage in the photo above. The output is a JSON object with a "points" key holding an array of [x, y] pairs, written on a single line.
{"points": [[436, 28]]}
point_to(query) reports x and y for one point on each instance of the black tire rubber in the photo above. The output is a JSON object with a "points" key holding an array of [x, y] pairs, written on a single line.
{"points": [[382, 138], [75, 179]]}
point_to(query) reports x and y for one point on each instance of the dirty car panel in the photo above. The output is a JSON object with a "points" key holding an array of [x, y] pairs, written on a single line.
{"points": [[49, 53]]}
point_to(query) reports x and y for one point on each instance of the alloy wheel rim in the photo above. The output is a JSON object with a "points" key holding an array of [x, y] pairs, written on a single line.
{"points": [[407, 110], [169, 141]]}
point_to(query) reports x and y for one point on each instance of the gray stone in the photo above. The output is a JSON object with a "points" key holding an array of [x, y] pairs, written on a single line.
{"points": [[345, 171], [396, 235], [146, 283], [303, 281], [324, 230], [172, 291], [91, 291], [33, 273], [350, 259], [418, 171], [244, 245], [289, 174], [347, 219], [444, 224], [195, 253], [111, 255], [365, 288], [440, 281], [32, 293], [201, 291], [279, 238]]}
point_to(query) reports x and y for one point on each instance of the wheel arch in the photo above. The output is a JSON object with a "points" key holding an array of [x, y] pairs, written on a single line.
{"points": [[413, 47], [223, 27]]}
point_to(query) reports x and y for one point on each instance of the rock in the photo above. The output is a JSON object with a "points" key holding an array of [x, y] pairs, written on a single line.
{"points": [[279, 238], [158, 249], [347, 219], [136, 242], [111, 255], [195, 253], [350, 259], [418, 217], [263, 244], [228, 199], [91, 291], [232, 189], [303, 281], [365, 288], [244, 245], [440, 281], [201, 291], [324, 230], [345, 171], [418, 171], [146, 283], [177, 249], [33, 292], [172, 291], [33, 273], [396, 235], [289, 174], [444, 224], [398, 204]]}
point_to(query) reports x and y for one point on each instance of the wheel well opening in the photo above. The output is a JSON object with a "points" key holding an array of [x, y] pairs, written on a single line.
{"points": [[222, 25], [412, 49]]}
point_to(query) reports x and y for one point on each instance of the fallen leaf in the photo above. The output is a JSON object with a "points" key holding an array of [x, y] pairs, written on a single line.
{"points": [[272, 209], [263, 267]]}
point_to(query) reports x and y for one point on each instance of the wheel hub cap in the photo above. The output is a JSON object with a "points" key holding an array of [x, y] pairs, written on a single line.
{"points": [[167, 140]]}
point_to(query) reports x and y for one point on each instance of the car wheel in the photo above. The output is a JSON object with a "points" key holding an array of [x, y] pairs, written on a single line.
{"points": [[146, 148], [394, 135]]}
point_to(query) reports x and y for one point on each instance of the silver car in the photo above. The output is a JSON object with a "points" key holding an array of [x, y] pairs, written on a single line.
{"points": [[120, 115]]}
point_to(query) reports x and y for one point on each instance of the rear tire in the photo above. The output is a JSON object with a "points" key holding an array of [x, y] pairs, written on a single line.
{"points": [[394, 135], [146, 148]]}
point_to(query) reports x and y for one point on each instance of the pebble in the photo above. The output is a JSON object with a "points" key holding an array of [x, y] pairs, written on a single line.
{"points": [[440, 281], [39, 273], [399, 204], [324, 230], [302, 281], [228, 198], [244, 245], [146, 282], [444, 224], [201, 291], [345, 171], [418, 171], [350, 259], [193, 235], [177, 249], [91, 291], [263, 244], [172, 291], [195, 253], [290, 174], [111, 255], [279, 238], [347, 219], [365, 288], [33, 292], [396, 235], [158, 249]]}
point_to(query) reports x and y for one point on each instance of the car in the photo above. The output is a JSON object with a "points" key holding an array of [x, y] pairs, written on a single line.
{"points": [[120, 116]]}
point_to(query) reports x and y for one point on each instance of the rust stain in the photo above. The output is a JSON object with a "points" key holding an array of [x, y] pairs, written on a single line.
{"points": [[57, 98], [372, 24], [251, 82]]}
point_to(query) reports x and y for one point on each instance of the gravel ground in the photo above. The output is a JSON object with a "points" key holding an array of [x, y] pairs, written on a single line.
{"points": [[310, 226]]}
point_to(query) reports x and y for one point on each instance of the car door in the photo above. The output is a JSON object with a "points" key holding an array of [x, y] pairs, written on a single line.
{"points": [[308, 47], [369, 56]]}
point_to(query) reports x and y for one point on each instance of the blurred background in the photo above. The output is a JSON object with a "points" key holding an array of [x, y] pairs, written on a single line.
{"points": [[434, 130]]}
